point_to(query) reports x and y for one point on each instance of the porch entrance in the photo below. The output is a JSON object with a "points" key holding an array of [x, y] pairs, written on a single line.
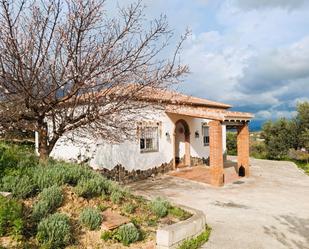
{"points": [[182, 144]]}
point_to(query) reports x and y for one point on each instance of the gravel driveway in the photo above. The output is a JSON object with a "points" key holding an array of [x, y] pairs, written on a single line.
{"points": [[268, 210]]}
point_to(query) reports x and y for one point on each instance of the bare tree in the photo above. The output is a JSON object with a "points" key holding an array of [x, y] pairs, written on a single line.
{"points": [[66, 65]]}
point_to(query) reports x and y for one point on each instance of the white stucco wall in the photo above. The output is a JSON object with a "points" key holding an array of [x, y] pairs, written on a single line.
{"points": [[108, 155]]}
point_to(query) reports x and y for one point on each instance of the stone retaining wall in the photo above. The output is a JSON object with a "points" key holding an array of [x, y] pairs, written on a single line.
{"points": [[195, 161], [170, 237], [122, 175]]}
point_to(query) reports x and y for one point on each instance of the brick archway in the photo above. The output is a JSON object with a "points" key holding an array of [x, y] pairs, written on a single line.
{"points": [[181, 123]]}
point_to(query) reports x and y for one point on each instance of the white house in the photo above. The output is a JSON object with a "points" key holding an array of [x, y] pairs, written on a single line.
{"points": [[185, 131]]}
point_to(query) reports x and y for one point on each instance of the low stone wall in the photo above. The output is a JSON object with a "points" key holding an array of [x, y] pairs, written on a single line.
{"points": [[195, 161], [170, 237], [122, 175]]}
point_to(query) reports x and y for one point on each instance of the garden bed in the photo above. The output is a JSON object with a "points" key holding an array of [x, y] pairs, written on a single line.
{"points": [[62, 205]]}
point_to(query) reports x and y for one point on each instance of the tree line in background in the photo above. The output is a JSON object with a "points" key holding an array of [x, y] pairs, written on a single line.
{"points": [[279, 139]]}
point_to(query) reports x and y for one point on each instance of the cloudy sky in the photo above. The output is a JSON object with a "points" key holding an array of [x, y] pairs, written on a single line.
{"points": [[253, 54]]}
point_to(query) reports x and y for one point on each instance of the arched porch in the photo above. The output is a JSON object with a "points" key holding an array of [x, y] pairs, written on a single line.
{"points": [[220, 171], [181, 144]]}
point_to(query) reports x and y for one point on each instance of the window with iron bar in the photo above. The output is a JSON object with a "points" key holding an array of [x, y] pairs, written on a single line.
{"points": [[149, 139], [205, 135]]}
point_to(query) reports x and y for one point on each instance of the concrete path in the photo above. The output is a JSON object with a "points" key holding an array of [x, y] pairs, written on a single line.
{"points": [[268, 210]]}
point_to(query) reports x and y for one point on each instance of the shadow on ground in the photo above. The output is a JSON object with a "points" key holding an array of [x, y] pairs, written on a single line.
{"points": [[295, 225]]}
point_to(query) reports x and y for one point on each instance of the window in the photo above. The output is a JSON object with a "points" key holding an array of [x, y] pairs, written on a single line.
{"points": [[149, 141], [205, 135]]}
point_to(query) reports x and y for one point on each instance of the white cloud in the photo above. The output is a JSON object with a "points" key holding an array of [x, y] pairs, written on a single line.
{"points": [[276, 68], [253, 54], [274, 114], [262, 4]]}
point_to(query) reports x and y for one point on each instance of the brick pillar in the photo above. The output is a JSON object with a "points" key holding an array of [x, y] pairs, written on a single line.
{"points": [[243, 148], [216, 153]]}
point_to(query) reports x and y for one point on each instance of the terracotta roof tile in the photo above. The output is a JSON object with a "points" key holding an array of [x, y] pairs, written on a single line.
{"points": [[147, 93], [208, 113]]}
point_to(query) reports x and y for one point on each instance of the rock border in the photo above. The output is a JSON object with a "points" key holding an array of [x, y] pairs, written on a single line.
{"points": [[171, 236]]}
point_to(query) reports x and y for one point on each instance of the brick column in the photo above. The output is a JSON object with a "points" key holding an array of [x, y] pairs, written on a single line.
{"points": [[243, 148], [216, 153]]}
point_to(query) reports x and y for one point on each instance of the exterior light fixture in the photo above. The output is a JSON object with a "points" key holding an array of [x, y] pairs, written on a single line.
{"points": [[197, 135], [168, 135]]}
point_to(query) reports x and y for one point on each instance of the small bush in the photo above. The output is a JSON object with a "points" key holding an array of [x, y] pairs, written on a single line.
{"points": [[54, 231], [15, 158], [117, 196], [137, 221], [159, 207], [129, 208], [40, 210], [102, 207], [107, 235], [11, 217], [231, 143], [47, 176], [179, 213], [69, 173], [152, 222], [49, 199], [298, 155], [197, 242], [20, 186], [90, 218], [127, 234], [52, 195], [88, 188], [258, 150]]}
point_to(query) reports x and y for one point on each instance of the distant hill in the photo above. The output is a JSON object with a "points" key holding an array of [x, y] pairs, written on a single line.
{"points": [[256, 125]]}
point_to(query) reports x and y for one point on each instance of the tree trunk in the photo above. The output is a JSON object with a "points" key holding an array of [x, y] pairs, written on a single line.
{"points": [[43, 140]]}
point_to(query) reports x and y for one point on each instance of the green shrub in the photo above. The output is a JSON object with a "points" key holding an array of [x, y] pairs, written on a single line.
{"points": [[129, 208], [15, 158], [88, 188], [127, 234], [49, 199], [159, 207], [45, 177], [11, 217], [54, 231], [197, 242], [231, 143], [258, 150], [137, 220], [102, 207], [20, 186], [40, 210], [52, 195], [179, 213], [117, 196], [90, 218], [68, 173], [107, 235], [152, 222]]}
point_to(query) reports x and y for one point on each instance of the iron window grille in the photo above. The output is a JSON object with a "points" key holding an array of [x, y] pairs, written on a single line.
{"points": [[205, 135], [149, 139]]}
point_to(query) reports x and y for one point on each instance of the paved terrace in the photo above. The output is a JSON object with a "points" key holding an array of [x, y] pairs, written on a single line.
{"points": [[202, 173], [269, 210]]}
